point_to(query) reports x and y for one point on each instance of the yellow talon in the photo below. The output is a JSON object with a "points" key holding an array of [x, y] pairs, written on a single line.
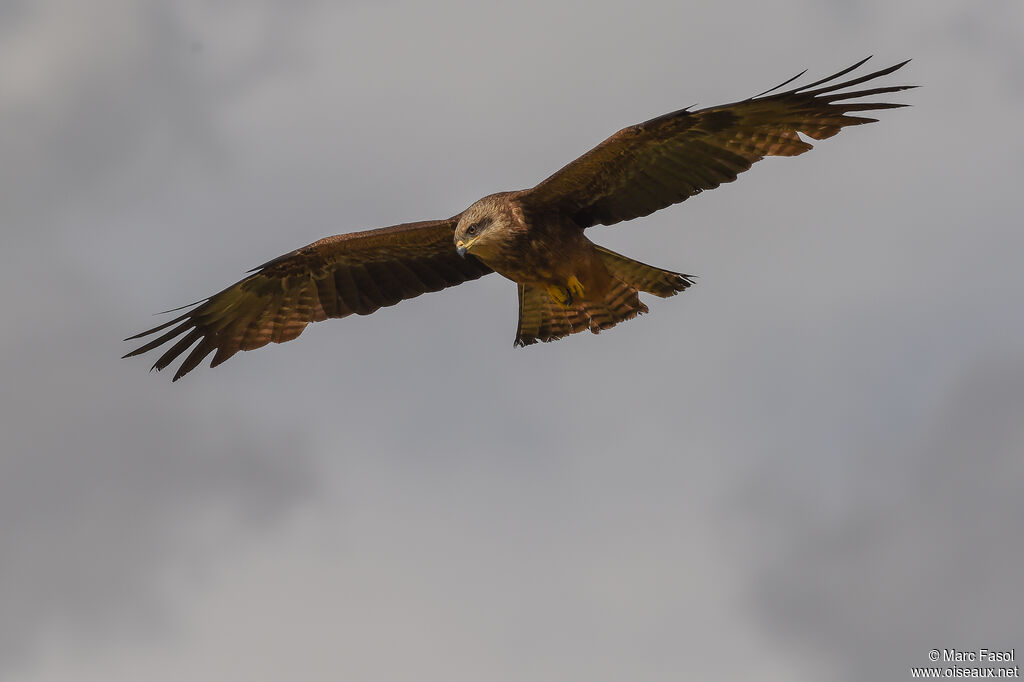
{"points": [[575, 288], [564, 296], [560, 295]]}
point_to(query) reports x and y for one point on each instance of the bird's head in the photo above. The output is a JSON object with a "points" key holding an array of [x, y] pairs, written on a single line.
{"points": [[482, 228]]}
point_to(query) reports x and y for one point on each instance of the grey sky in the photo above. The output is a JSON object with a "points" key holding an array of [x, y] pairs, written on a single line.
{"points": [[806, 467]]}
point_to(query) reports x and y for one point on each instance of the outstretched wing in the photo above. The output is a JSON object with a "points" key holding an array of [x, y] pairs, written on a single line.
{"points": [[334, 277], [646, 167]]}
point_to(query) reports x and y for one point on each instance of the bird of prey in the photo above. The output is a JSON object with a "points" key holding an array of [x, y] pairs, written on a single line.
{"points": [[534, 237]]}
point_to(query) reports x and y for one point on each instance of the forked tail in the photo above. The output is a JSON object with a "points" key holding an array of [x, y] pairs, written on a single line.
{"points": [[542, 319]]}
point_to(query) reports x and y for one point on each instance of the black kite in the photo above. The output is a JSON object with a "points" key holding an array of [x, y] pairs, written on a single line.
{"points": [[534, 237]]}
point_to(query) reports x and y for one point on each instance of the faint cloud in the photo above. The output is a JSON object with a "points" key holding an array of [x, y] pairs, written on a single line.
{"points": [[927, 556], [107, 495]]}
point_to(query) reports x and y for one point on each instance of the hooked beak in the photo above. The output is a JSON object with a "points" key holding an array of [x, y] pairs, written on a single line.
{"points": [[460, 248]]}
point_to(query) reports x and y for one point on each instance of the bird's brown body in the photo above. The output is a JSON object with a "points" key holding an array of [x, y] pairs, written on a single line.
{"points": [[537, 249], [566, 282], [535, 237]]}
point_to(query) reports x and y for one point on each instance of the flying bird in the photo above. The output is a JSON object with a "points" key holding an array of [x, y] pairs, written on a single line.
{"points": [[534, 237]]}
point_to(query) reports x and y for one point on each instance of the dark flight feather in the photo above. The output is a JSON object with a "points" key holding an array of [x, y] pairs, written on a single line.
{"points": [[663, 161], [334, 277]]}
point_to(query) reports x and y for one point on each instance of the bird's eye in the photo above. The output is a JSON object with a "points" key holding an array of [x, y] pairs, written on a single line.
{"points": [[472, 229]]}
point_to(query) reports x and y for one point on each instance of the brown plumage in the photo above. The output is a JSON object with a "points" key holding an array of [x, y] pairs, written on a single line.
{"points": [[534, 237]]}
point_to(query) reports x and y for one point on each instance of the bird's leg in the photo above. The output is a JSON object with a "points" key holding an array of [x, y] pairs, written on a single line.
{"points": [[564, 296], [575, 288], [560, 295]]}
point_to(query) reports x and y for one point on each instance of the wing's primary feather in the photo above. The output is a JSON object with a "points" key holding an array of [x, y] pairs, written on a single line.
{"points": [[334, 277], [646, 167]]}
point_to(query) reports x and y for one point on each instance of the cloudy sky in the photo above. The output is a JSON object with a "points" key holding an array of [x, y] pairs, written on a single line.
{"points": [[807, 467]]}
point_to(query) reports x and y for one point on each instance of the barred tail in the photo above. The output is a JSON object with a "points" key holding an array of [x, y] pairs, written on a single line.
{"points": [[542, 319]]}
